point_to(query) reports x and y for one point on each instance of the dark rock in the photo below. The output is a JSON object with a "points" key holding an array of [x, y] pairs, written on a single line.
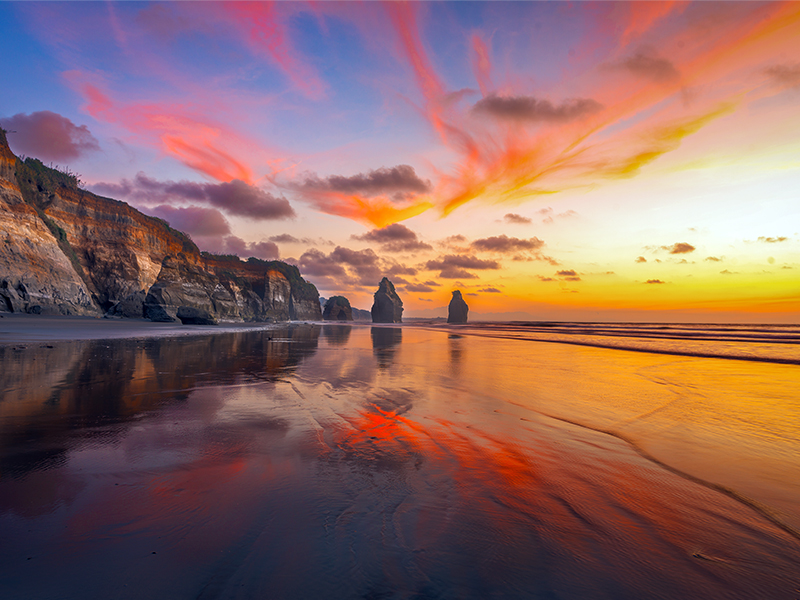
{"points": [[182, 283], [458, 309], [337, 308], [195, 316], [387, 307], [130, 307]]}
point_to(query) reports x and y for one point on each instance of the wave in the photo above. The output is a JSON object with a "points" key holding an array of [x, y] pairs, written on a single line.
{"points": [[763, 343]]}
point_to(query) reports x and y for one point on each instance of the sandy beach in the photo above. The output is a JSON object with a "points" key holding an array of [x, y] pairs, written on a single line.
{"points": [[357, 461]]}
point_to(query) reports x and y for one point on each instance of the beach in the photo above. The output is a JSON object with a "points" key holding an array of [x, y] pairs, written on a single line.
{"points": [[311, 460]]}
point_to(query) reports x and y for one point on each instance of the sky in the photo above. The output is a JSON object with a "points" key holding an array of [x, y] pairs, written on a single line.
{"points": [[552, 160]]}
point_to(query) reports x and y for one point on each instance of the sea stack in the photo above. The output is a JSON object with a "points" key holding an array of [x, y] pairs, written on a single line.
{"points": [[337, 308], [387, 308], [458, 309]]}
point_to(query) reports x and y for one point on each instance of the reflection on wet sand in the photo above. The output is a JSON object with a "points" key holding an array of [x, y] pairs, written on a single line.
{"points": [[288, 468], [337, 335], [54, 391], [385, 341]]}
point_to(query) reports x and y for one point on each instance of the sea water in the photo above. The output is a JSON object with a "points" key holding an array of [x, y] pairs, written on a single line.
{"points": [[338, 461]]}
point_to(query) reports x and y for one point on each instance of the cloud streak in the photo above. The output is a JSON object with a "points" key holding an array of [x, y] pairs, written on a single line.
{"points": [[235, 197]]}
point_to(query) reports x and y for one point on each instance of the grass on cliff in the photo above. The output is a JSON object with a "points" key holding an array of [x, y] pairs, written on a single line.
{"points": [[303, 290], [36, 181]]}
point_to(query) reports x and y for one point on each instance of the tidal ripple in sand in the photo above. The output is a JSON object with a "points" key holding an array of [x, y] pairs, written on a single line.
{"points": [[338, 462]]}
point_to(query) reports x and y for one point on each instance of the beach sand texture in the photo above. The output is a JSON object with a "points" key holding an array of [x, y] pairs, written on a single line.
{"points": [[310, 461]]}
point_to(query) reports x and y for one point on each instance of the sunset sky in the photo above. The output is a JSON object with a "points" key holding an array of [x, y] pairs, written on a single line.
{"points": [[553, 160]]}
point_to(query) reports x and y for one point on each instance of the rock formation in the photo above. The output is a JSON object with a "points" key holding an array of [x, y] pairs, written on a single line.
{"points": [[458, 309], [387, 307], [36, 276], [337, 308], [64, 250]]}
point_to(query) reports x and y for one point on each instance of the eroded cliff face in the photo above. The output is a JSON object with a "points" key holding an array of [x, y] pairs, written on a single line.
{"points": [[120, 249], [36, 276], [64, 250]]}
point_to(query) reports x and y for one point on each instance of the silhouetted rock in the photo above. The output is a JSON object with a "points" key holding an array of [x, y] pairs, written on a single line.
{"points": [[130, 307], [387, 307], [458, 309], [337, 308], [194, 316]]}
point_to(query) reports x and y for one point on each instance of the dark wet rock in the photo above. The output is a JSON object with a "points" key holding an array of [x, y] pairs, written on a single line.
{"points": [[337, 308], [130, 307], [387, 307], [194, 316], [458, 309]]}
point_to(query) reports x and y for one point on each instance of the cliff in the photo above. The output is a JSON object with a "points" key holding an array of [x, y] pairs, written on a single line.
{"points": [[65, 250], [36, 275]]}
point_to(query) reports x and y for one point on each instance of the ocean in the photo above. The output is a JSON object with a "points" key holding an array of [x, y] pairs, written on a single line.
{"points": [[487, 460]]}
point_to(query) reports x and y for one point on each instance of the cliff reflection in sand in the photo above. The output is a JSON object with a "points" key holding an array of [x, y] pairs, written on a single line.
{"points": [[57, 395], [347, 463], [337, 335]]}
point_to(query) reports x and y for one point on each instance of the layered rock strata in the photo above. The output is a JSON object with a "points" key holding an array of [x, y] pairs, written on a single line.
{"points": [[64, 250], [36, 276], [387, 306]]}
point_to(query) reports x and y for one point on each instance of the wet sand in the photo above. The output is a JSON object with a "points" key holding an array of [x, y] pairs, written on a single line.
{"points": [[372, 462], [20, 329]]}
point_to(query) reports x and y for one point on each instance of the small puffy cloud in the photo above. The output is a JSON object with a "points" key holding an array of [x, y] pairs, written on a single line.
{"points": [[654, 281], [48, 136], [550, 216], [194, 220], [235, 245], [490, 290], [505, 244], [567, 273], [394, 238], [398, 182], [452, 272], [454, 265], [470, 294], [530, 109], [542, 278], [679, 248], [284, 238], [516, 219], [787, 75], [726, 272], [348, 267], [649, 66], [234, 197], [772, 240], [313, 263], [640, 259], [419, 288], [712, 258]]}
